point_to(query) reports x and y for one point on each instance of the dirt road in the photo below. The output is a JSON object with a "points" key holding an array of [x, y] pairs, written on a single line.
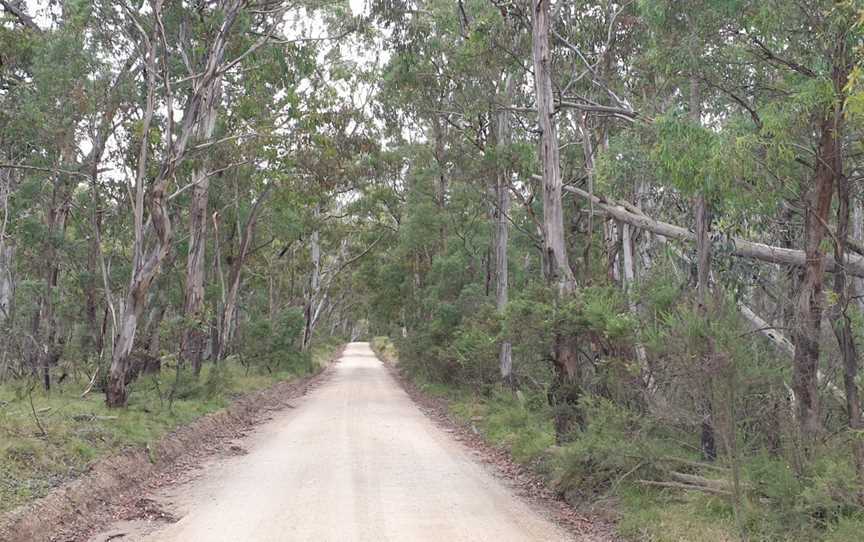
{"points": [[354, 461]]}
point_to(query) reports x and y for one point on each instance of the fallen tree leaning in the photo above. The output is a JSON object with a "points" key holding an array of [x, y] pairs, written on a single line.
{"points": [[853, 264]]}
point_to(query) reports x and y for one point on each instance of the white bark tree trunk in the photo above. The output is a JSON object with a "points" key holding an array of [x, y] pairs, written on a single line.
{"points": [[145, 267], [6, 252], [194, 338], [629, 281], [310, 309], [556, 264], [502, 228], [853, 264], [565, 391], [858, 238]]}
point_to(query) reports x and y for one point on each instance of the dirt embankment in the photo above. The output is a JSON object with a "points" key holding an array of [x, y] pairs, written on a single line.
{"points": [[111, 489]]}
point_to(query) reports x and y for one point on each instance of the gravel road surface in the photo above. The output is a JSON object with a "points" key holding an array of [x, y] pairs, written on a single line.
{"points": [[355, 460]]}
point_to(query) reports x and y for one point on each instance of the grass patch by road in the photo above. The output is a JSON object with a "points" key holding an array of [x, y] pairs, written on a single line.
{"points": [[57, 438], [385, 349]]}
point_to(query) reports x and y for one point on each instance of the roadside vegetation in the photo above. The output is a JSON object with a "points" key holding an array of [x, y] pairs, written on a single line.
{"points": [[639, 464], [49, 439]]}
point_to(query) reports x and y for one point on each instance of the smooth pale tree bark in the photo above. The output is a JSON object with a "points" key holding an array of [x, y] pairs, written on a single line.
{"points": [[505, 355], [7, 290], [556, 264], [7, 287], [314, 290], [193, 339], [565, 390], [629, 280], [857, 233], [502, 229], [7, 252], [610, 241], [144, 269]]}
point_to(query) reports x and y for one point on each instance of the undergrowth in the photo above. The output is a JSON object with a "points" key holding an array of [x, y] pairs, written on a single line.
{"points": [[67, 432], [605, 465]]}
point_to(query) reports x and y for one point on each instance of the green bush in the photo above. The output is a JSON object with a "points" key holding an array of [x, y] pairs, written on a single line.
{"points": [[272, 345], [613, 443]]}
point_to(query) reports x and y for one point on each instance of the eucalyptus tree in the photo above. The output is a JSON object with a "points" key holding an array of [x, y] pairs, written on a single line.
{"points": [[223, 53], [58, 98]]}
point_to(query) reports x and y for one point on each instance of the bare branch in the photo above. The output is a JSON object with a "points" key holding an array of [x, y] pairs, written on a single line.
{"points": [[15, 9]]}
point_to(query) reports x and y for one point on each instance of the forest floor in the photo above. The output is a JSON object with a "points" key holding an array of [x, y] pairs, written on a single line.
{"points": [[355, 459]]}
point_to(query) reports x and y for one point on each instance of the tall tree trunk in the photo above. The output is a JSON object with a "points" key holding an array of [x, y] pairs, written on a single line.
{"points": [[565, 390], [502, 229], [136, 300], [145, 267], [7, 286], [810, 297], [229, 314], [842, 324], [629, 280], [708, 442], [314, 284], [810, 301], [858, 236], [194, 337], [557, 266]]}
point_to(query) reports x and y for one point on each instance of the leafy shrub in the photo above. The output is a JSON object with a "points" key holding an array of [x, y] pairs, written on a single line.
{"points": [[526, 431], [615, 442], [272, 345]]}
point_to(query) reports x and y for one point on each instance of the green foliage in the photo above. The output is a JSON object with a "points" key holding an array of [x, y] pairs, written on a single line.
{"points": [[385, 349], [614, 444], [273, 345], [687, 156], [518, 422]]}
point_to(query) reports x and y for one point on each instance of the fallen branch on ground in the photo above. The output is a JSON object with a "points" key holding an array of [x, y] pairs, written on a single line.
{"points": [[686, 487]]}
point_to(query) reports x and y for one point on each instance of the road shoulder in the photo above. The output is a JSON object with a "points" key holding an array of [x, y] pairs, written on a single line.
{"points": [[527, 485]]}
